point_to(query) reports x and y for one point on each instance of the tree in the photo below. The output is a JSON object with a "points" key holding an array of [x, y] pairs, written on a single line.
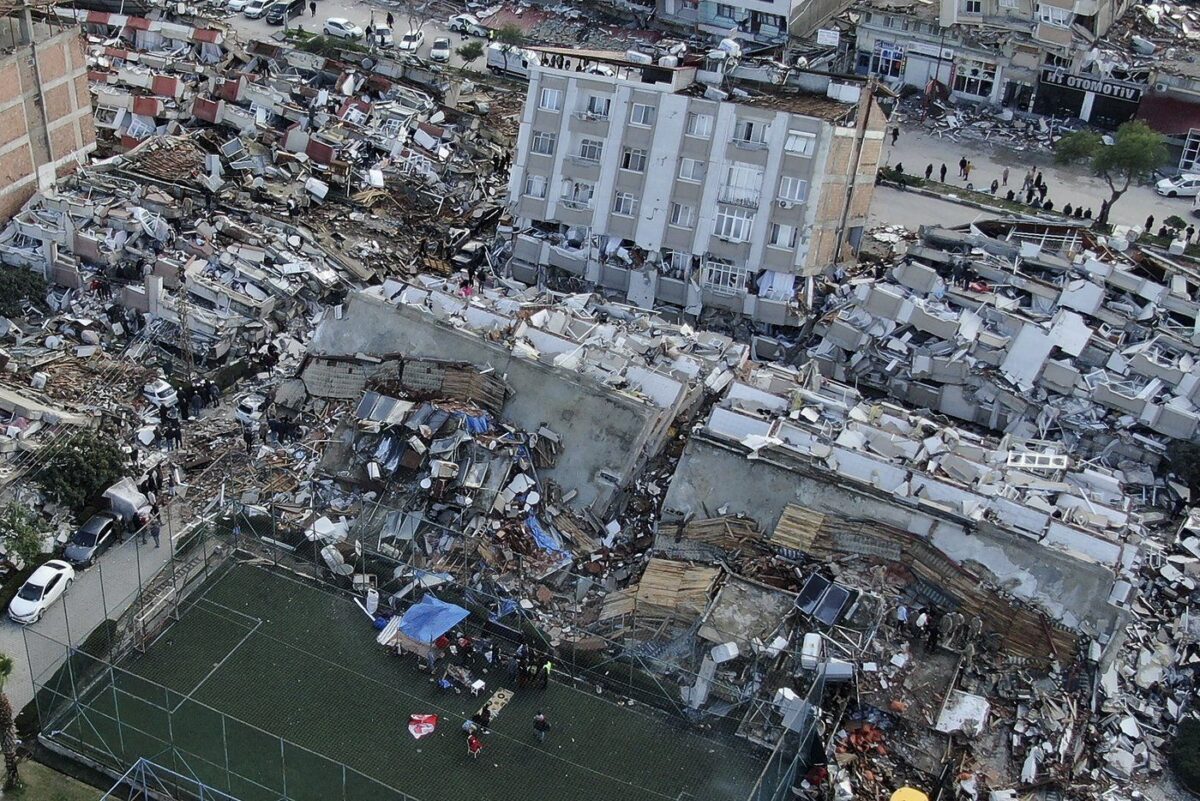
{"points": [[509, 36], [79, 470], [1185, 754], [18, 285], [1184, 458], [1136, 150], [415, 13], [8, 727], [471, 51], [20, 531]]}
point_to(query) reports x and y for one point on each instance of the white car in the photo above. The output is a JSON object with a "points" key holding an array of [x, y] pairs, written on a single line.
{"points": [[237, 6], [440, 49], [383, 37], [160, 393], [256, 8], [43, 588], [342, 28], [412, 40], [468, 24], [1186, 185], [250, 410]]}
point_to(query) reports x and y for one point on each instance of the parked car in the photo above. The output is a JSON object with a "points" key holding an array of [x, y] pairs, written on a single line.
{"points": [[251, 409], [1186, 185], [91, 539], [383, 37], [285, 10], [40, 591], [440, 50], [412, 41], [342, 28], [237, 6], [160, 393], [468, 24], [256, 8]]}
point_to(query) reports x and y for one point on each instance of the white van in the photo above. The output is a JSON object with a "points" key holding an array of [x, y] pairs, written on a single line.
{"points": [[509, 60]]}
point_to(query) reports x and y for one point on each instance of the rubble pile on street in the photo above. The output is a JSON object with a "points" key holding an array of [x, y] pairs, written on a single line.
{"points": [[1038, 330], [972, 124]]}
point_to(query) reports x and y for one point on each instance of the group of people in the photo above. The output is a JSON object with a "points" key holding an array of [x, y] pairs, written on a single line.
{"points": [[933, 628], [1167, 232], [204, 394]]}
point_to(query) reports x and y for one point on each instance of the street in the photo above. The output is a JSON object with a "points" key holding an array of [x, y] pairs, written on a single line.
{"points": [[362, 14], [893, 207], [100, 592], [917, 148]]}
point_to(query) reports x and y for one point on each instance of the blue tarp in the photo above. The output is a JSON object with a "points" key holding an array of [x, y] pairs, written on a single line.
{"points": [[478, 423], [546, 540], [430, 619]]}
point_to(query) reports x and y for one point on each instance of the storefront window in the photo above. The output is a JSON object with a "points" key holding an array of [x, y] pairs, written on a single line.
{"points": [[974, 78], [888, 60]]}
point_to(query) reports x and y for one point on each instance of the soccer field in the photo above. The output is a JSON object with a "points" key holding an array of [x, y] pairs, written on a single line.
{"points": [[259, 656]]}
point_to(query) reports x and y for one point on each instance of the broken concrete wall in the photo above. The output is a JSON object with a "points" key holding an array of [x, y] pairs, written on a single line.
{"points": [[712, 475], [606, 436]]}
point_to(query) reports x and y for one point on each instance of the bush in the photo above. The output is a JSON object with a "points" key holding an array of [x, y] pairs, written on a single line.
{"points": [[18, 285], [331, 48], [903, 178], [78, 471], [1185, 754], [471, 51], [20, 531]]}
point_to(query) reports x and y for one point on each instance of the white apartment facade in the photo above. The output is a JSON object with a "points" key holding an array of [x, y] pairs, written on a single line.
{"points": [[642, 181]]}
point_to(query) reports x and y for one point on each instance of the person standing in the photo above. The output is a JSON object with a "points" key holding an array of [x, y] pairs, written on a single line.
{"points": [[391, 21], [962, 167], [312, 7], [967, 171], [248, 438], [895, 135], [942, 173], [995, 185], [1038, 180], [1150, 224], [541, 726], [545, 672], [1042, 190], [155, 531], [1004, 177], [928, 171]]}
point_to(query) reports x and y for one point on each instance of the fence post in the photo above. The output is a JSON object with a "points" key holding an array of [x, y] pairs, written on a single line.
{"points": [[225, 746], [283, 768], [112, 685]]}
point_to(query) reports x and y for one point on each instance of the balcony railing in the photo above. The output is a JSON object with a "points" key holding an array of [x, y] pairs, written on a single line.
{"points": [[591, 116], [574, 203], [749, 144], [747, 198]]}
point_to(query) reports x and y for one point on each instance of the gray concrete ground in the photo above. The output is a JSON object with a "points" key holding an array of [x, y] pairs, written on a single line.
{"points": [[1072, 184], [893, 207]]}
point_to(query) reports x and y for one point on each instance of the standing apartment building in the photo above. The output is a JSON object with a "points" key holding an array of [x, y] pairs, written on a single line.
{"points": [[1036, 56], [679, 184], [46, 124], [762, 21]]}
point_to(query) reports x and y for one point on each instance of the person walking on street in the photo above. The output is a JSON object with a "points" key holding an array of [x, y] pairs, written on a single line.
{"points": [[312, 7], [1042, 190], [967, 171], [995, 185], [942, 173], [928, 171], [1150, 224], [962, 167], [541, 726], [895, 135], [391, 21], [1038, 180], [1004, 177], [155, 531]]}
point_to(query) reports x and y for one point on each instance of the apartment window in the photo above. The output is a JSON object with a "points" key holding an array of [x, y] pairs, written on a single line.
{"points": [[676, 263], [750, 132], [972, 6], [1058, 17], [590, 149], [682, 216], [726, 11], [139, 130], [743, 183], [578, 194], [691, 170], [633, 159], [550, 100], [721, 275], [734, 224], [793, 190], [699, 125], [543, 143], [800, 144], [624, 204], [598, 106], [535, 186], [642, 114], [783, 236], [973, 77], [1010, 4]]}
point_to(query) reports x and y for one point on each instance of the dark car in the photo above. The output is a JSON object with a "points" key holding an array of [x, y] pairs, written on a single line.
{"points": [[288, 10], [91, 539]]}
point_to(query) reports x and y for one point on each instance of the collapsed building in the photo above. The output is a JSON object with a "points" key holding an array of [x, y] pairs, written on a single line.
{"points": [[1038, 330]]}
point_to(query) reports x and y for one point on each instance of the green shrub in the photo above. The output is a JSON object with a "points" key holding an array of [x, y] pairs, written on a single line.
{"points": [[1185, 754]]}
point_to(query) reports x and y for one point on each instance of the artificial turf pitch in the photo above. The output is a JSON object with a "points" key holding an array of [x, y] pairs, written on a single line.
{"points": [[280, 658]]}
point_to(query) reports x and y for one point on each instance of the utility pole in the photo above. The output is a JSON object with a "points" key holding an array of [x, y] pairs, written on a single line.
{"points": [[185, 335]]}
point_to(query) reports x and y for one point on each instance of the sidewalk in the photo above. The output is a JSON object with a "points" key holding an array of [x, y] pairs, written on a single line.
{"points": [[917, 148]]}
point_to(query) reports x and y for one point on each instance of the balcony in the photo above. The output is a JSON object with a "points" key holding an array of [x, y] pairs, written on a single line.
{"points": [[590, 116], [749, 144], [575, 203], [746, 198], [583, 161]]}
